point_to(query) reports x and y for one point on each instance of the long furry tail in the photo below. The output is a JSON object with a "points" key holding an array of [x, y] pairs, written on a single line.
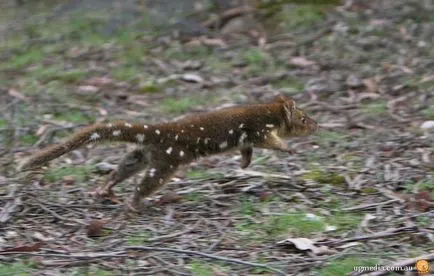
{"points": [[118, 131]]}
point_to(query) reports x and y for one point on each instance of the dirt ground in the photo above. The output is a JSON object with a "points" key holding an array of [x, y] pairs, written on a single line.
{"points": [[357, 194]]}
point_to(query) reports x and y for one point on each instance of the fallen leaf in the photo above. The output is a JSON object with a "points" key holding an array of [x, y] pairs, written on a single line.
{"points": [[304, 244]]}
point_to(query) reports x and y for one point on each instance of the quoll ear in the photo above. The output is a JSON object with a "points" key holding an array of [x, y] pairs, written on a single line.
{"points": [[290, 110]]}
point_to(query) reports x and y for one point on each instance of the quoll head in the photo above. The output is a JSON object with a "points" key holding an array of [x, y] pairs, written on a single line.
{"points": [[297, 122]]}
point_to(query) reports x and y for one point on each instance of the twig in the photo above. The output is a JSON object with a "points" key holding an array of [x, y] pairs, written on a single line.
{"points": [[56, 215], [10, 206], [278, 177], [206, 255], [124, 253], [383, 234], [175, 234], [369, 206]]}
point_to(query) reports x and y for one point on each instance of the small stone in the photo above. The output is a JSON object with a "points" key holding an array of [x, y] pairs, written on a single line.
{"points": [[330, 228], [192, 78], [427, 125]]}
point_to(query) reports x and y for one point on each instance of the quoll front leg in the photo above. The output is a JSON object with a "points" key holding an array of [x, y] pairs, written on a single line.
{"points": [[272, 141], [246, 157]]}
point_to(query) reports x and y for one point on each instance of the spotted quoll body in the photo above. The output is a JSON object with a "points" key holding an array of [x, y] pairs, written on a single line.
{"points": [[165, 146]]}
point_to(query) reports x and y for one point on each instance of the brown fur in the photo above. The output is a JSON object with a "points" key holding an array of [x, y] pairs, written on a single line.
{"points": [[165, 146]]}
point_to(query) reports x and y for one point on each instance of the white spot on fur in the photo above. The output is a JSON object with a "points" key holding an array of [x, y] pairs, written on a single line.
{"points": [[257, 133], [109, 125], [223, 145], [152, 172], [231, 131], [182, 131], [169, 150], [157, 131], [206, 140], [171, 166], [138, 189], [192, 125], [197, 140], [145, 126], [242, 137], [176, 137], [140, 137], [128, 125], [241, 126], [161, 180], [201, 128], [116, 132], [181, 153], [269, 125], [94, 136]]}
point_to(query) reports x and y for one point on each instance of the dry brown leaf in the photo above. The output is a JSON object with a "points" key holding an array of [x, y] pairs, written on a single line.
{"points": [[304, 244], [95, 227]]}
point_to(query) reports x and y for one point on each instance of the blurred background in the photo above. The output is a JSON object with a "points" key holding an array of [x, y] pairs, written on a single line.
{"points": [[358, 192]]}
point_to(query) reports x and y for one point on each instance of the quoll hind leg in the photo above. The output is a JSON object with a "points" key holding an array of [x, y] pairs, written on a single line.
{"points": [[132, 163], [246, 157], [157, 174]]}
